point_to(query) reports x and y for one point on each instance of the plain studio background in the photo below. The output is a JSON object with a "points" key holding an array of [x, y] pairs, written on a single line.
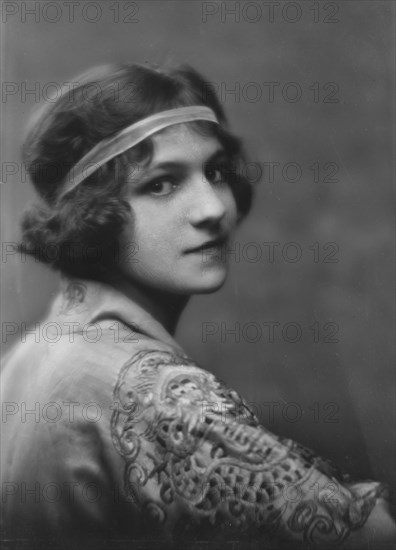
{"points": [[333, 387]]}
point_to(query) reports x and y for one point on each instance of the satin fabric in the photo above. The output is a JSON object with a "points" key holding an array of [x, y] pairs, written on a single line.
{"points": [[110, 432]]}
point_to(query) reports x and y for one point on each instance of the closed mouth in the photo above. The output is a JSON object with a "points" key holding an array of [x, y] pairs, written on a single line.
{"points": [[215, 243]]}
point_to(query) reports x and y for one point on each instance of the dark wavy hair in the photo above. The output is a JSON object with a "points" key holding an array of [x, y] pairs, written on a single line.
{"points": [[77, 233]]}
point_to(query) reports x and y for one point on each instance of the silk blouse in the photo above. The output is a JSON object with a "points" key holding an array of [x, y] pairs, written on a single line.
{"points": [[111, 432]]}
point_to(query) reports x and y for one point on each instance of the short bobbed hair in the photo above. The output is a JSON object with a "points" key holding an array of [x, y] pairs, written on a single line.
{"points": [[77, 233]]}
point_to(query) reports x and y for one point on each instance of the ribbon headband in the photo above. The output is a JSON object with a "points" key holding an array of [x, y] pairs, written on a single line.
{"points": [[107, 149]]}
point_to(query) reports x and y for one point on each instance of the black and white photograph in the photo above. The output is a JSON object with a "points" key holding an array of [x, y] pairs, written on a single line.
{"points": [[198, 275]]}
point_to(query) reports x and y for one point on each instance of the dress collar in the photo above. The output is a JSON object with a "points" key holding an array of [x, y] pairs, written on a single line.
{"points": [[86, 301]]}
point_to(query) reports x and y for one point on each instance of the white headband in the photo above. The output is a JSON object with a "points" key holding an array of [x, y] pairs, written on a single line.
{"points": [[129, 137]]}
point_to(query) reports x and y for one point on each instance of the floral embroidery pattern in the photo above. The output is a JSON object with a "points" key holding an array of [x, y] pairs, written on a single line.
{"points": [[197, 460], [73, 298]]}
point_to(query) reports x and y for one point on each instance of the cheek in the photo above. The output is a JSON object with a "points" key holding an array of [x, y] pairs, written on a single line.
{"points": [[231, 207], [127, 236], [154, 234]]}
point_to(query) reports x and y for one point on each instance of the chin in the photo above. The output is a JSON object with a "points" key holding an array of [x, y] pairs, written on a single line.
{"points": [[209, 282]]}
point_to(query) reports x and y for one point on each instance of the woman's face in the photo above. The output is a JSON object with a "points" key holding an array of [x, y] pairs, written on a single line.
{"points": [[180, 204]]}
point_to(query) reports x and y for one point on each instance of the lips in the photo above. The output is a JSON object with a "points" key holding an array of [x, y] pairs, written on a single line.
{"points": [[214, 243]]}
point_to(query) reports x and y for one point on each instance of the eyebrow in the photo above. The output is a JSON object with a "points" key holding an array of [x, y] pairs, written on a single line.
{"points": [[220, 153]]}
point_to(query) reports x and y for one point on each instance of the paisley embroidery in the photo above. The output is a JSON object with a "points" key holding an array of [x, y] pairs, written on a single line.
{"points": [[192, 447], [73, 298], [316, 527]]}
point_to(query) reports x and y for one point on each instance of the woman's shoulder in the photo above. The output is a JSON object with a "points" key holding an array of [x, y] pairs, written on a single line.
{"points": [[91, 330], [168, 380], [79, 365]]}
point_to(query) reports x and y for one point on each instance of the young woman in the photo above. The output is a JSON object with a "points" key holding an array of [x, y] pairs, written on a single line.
{"points": [[110, 431]]}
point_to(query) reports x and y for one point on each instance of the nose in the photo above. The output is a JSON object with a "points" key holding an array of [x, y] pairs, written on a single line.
{"points": [[207, 207]]}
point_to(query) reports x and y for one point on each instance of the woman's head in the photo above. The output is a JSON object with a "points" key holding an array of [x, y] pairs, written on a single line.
{"points": [[79, 233]]}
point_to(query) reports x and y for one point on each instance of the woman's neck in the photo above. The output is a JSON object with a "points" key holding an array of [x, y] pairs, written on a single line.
{"points": [[165, 307]]}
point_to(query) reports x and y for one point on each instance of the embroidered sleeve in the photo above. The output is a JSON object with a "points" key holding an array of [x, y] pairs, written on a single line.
{"points": [[197, 462]]}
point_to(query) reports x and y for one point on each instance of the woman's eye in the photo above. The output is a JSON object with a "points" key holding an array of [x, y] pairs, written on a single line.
{"points": [[216, 175], [161, 187]]}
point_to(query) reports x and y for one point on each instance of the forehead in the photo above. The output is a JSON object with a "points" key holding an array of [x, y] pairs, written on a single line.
{"points": [[181, 143]]}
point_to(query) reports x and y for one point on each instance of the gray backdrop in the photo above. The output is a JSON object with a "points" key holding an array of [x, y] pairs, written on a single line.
{"points": [[327, 373]]}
